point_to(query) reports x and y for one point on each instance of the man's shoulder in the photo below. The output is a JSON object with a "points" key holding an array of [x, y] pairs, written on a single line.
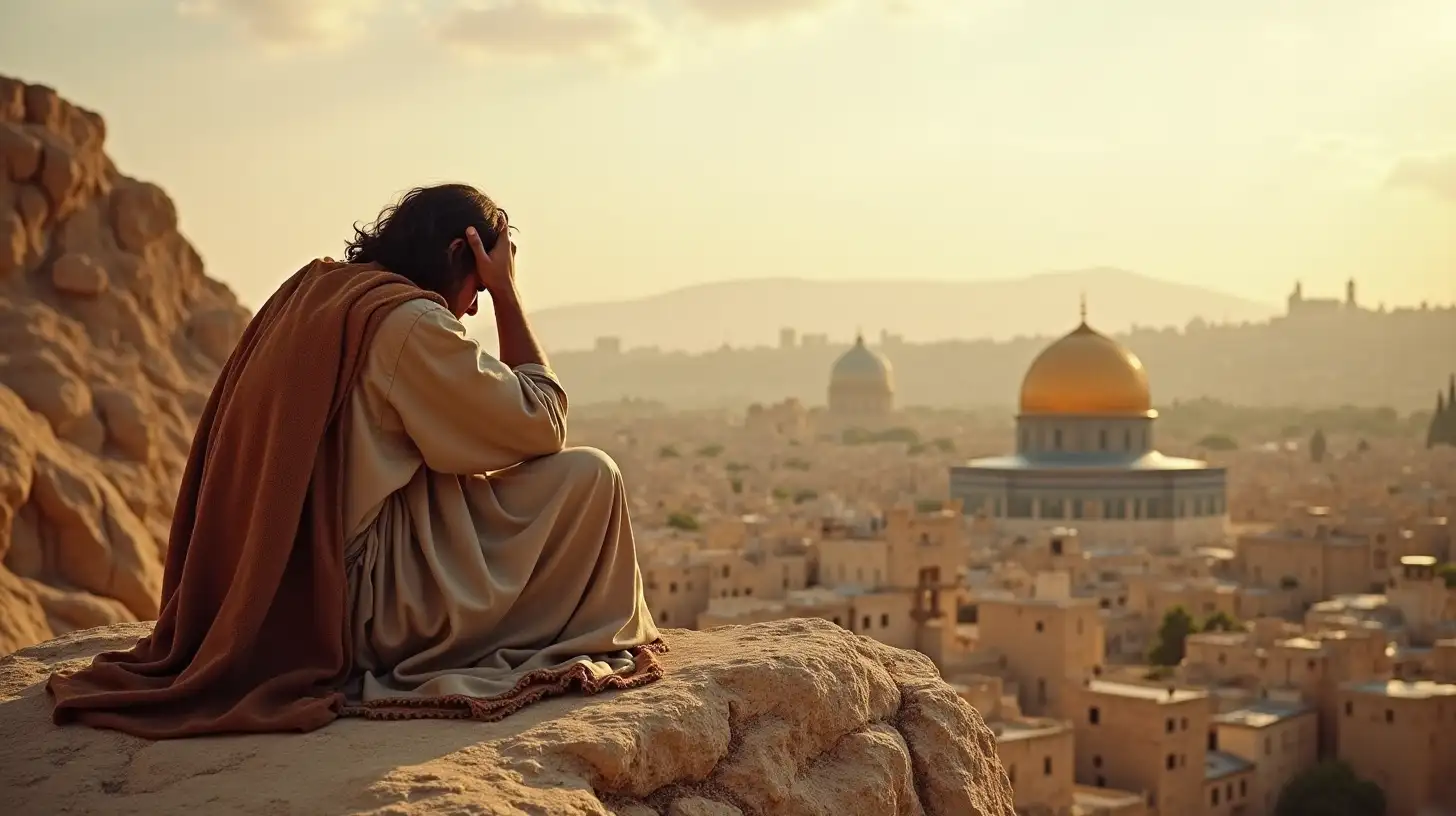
{"points": [[402, 318], [401, 321]]}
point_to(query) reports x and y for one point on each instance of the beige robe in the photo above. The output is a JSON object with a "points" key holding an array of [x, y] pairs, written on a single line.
{"points": [[483, 559]]}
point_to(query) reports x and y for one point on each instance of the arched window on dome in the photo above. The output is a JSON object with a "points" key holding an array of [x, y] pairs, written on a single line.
{"points": [[1057, 439], [1127, 439], [1102, 439]]}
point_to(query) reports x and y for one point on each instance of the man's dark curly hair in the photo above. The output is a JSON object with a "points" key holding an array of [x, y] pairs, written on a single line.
{"points": [[412, 238]]}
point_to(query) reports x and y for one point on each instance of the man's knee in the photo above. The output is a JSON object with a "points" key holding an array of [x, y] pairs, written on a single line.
{"points": [[588, 461]]}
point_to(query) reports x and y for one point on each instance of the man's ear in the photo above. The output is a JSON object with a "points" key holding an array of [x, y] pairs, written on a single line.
{"points": [[459, 255]]}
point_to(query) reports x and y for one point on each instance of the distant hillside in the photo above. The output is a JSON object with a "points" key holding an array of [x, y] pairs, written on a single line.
{"points": [[751, 312]]}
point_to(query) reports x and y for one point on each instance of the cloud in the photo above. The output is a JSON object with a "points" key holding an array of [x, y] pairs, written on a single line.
{"points": [[289, 22], [612, 31], [1435, 175], [630, 32], [748, 12]]}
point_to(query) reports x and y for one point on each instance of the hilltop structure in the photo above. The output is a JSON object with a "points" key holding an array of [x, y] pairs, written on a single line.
{"points": [[1301, 306], [1085, 457], [861, 384]]}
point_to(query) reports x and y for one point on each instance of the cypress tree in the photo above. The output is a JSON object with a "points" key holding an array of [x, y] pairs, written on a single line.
{"points": [[1436, 431], [1448, 420]]}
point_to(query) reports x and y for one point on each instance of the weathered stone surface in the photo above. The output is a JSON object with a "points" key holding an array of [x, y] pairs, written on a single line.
{"points": [[19, 152], [103, 370], [78, 274], [785, 718]]}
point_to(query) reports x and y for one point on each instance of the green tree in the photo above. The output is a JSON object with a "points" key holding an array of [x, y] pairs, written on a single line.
{"points": [[737, 485], [709, 451], [1220, 622], [1218, 442], [682, 521], [1330, 789], [1448, 573], [667, 452], [1318, 446], [1168, 647]]}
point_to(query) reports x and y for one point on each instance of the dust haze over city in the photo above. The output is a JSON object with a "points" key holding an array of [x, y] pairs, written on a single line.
{"points": [[1009, 405]]}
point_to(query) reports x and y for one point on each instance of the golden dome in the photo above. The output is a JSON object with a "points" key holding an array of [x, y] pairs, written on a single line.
{"points": [[1086, 373]]}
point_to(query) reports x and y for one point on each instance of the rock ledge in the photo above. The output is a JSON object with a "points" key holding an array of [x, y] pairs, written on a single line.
{"points": [[784, 718]]}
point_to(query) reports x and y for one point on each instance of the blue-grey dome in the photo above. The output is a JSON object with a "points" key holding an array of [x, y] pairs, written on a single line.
{"points": [[861, 367]]}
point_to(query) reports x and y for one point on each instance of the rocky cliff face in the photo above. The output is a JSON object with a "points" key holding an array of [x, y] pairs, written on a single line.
{"points": [[785, 718], [110, 339]]}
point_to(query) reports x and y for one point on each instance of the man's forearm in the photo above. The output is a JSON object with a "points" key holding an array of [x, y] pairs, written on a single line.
{"points": [[518, 344]]}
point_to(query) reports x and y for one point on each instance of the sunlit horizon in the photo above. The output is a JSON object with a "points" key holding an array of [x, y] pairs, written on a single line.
{"points": [[644, 145]]}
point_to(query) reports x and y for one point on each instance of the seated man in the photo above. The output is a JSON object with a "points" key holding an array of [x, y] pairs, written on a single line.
{"points": [[378, 518]]}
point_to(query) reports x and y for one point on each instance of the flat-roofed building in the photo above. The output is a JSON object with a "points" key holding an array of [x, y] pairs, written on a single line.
{"points": [[1402, 736], [1146, 739], [1281, 738]]}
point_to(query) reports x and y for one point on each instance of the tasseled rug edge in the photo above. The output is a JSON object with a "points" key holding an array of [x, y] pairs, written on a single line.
{"points": [[530, 688]]}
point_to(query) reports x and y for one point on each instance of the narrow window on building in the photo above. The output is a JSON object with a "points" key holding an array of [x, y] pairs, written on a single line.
{"points": [[1094, 716], [1389, 715], [866, 623], [1041, 690], [663, 616], [725, 572], [1046, 766], [1268, 746], [1213, 740], [1214, 794], [1101, 781], [1183, 724], [1172, 761], [1171, 726], [1097, 760], [1243, 788], [1040, 627], [1349, 709], [672, 588], [885, 621]]}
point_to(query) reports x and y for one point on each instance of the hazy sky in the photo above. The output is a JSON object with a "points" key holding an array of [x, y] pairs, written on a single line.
{"points": [[642, 145]]}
